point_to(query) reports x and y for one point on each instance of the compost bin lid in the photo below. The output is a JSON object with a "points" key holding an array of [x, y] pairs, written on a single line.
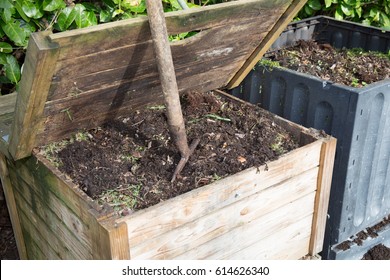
{"points": [[82, 78]]}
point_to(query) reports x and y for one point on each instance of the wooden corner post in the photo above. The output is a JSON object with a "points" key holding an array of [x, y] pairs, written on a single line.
{"points": [[328, 151], [34, 87]]}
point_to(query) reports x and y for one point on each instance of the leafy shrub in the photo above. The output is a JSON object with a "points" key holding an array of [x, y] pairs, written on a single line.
{"points": [[375, 13]]}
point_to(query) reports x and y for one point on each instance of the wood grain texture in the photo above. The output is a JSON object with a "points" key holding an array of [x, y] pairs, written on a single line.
{"points": [[217, 226], [7, 107], [12, 208], [328, 152], [59, 226], [178, 211], [34, 87]]}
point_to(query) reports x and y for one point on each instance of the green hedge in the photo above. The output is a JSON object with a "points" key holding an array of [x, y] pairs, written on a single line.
{"points": [[369, 12]]}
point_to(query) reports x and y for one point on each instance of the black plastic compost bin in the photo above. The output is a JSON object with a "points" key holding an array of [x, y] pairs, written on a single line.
{"points": [[358, 117]]}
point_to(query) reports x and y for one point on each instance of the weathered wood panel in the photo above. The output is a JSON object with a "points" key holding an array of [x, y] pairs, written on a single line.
{"points": [[171, 214], [328, 152], [59, 225], [12, 208], [281, 220], [290, 243], [7, 107], [220, 223]]}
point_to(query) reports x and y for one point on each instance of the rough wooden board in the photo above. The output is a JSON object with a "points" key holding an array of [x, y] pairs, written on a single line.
{"points": [[79, 42], [7, 107], [281, 220], [320, 218], [34, 86], [136, 62], [43, 238], [289, 244], [287, 17], [51, 216], [12, 208], [221, 222], [190, 206]]}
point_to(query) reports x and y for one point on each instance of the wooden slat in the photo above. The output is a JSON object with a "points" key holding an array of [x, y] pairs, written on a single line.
{"points": [[110, 103], [58, 223], [80, 42], [34, 86], [188, 207], [220, 223], [7, 107], [328, 152], [279, 221], [137, 62], [291, 243], [33, 250], [44, 239], [286, 18], [12, 208]]}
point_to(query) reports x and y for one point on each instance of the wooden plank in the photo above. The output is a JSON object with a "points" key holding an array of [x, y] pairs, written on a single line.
{"points": [[216, 224], [110, 103], [292, 243], [133, 63], [46, 241], [55, 220], [126, 32], [33, 250], [266, 43], [190, 206], [12, 208], [279, 221], [7, 103], [34, 86], [7, 107], [328, 152]]}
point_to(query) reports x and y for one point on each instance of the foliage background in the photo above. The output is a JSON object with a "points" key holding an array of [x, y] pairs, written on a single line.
{"points": [[19, 18]]}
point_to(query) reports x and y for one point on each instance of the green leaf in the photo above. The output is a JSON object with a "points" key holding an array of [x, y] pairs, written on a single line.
{"points": [[346, 10], [5, 47], [315, 4], [32, 10], [84, 18], [15, 33], [12, 69], [79, 9], [7, 15], [105, 16], [5, 4], [3, 58], [339, 13], [328, 3], [66, 18], [52, 5], [18, 6], [385, 20]]}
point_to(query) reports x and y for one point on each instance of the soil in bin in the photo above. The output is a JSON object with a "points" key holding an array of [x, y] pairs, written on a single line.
{"points": [[355, 67], [128, 163]]}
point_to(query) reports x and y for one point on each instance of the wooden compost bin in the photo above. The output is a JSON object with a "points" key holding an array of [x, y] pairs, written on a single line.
{"points": [[83, 78]]}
